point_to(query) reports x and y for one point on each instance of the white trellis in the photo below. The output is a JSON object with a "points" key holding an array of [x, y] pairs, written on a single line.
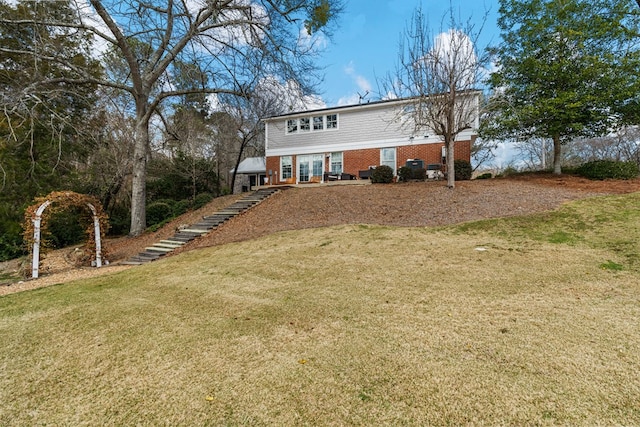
{"points": [[36, 237]]}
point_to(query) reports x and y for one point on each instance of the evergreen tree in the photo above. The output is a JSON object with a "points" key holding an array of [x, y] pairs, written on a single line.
{"points": [[565, 69]]}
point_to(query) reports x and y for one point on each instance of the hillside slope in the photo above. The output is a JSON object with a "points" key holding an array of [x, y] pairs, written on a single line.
{"points": [[406, 204]]}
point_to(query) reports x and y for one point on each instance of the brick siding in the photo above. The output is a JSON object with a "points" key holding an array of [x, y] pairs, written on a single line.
{"points": [[357, 160]]}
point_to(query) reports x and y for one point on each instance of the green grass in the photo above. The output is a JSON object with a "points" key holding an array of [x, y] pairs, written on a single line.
{"points": [[352, 325], [601, 223], [8, 277]]}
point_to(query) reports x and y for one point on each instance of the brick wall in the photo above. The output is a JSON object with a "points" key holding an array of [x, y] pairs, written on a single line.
{"points": [[357, 160], [273, 164]]}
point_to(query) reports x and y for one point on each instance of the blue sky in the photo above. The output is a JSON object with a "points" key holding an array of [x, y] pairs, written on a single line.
{"points": [[364, 49]]}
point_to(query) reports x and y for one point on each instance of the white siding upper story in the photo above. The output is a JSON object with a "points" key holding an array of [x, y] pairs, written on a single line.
{"points": [[373, 125]]}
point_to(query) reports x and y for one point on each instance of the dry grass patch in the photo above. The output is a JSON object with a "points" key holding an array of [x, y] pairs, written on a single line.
{"points": [[353, 325]]}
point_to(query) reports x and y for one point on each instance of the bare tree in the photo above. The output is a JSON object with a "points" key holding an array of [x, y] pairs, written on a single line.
{"points": [[233, 42], [440, 74], [622, 145], [109, 163], [270, 98]]}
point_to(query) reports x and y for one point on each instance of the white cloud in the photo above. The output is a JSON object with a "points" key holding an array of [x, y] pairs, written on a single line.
{"points": [[362, 83], [349, 100], [454, 50], [286, 95], [312, 42]]}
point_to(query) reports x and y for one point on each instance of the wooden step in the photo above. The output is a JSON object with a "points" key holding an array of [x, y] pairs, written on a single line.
{"points": [[210, 222], [219, 218], [194, 231], [173, 241], [201, 226], [158, 249], [166, 245], [141, 260], [187, 238], [152, 255]]}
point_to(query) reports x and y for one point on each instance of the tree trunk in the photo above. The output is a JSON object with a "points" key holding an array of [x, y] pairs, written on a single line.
{"points": [[557, 156], [451, 170], [139, 182], [238, 160]]}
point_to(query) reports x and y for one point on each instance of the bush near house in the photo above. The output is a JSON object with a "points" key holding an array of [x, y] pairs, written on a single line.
{"points": [[406, 174], [462, 170], [382, 174], [608, 169]]}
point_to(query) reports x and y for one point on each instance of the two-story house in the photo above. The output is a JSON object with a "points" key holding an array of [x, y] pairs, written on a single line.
{"points": [[347, 141]]}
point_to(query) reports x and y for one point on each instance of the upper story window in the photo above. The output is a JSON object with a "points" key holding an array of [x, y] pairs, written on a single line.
{"points": [[305, 124], [332, 121], [292, 125], [318, 123], [312, 124]]}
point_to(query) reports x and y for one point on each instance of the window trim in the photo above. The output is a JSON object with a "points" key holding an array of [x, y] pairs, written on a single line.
{"points": [[395, 158], [311, 160], [304, 124], [282, 164], [332, 162], [335, 122], [292, 126], [317, 122], [308, 124]]}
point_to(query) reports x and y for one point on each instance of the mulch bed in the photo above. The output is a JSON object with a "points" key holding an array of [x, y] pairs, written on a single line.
{"points": [[410, 204]]}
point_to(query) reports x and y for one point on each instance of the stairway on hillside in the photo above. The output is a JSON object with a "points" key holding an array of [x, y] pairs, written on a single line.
{"points": [[208, 223]]}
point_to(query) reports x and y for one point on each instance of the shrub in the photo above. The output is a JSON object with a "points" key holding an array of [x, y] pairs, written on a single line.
{"points": [[486, 175], [11, 245], [462, 170], [405, 173], [382, 174], [119, 221], [159, 211], [201, 200], [67, 227], [181, 207], [608, 169]]}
